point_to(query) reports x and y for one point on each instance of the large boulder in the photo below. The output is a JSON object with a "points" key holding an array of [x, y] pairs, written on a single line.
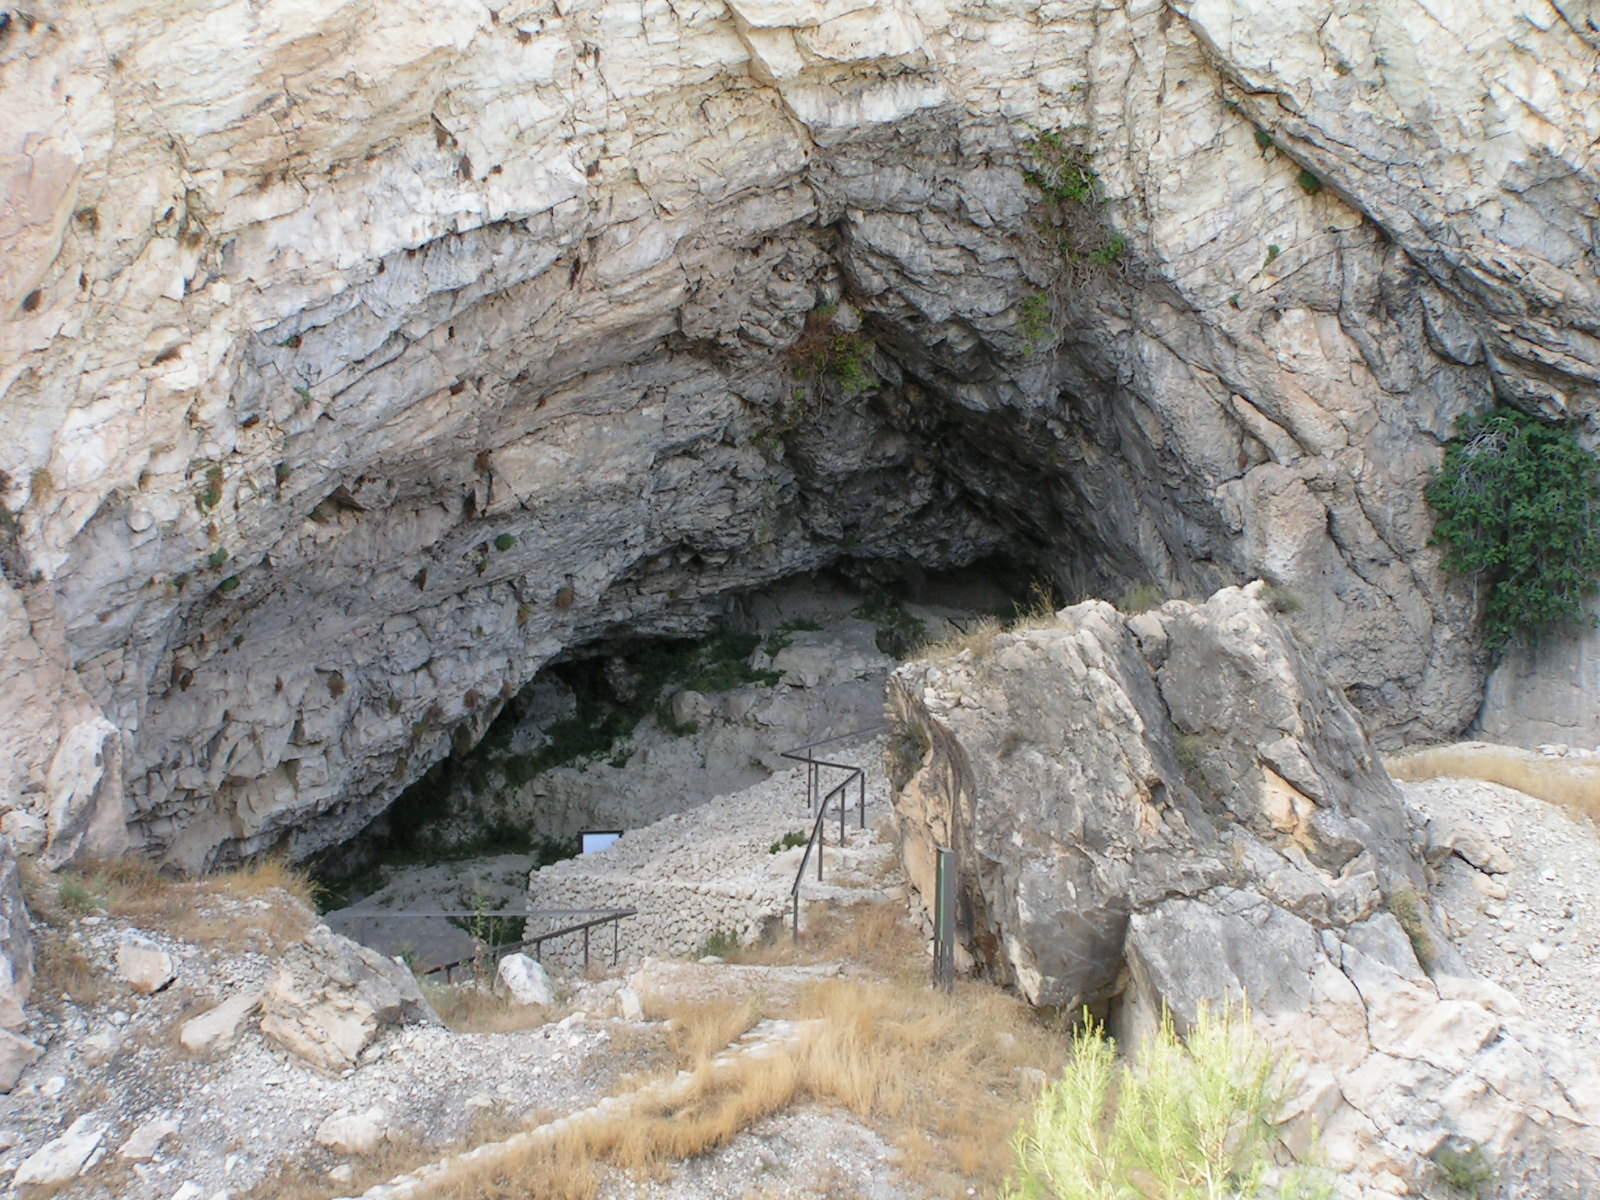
{"points": [[331, 997], [1089, 769], [1174, 810]]}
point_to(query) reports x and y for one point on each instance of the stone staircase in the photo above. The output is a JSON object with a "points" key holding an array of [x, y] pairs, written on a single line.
{"points": [[703, 878]]}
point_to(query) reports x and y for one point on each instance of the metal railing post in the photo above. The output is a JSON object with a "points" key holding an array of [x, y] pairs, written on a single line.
{"points": [[862, 779]]}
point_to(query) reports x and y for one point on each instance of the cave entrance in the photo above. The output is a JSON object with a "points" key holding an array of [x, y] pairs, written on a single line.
{"points": [[629, 730]]}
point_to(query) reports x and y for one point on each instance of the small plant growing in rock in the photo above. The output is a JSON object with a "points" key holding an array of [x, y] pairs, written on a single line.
{"points": [[1516, 499], [1140, 599], [1309, 183], [76, 896], [1264, 140], [216, 558], [1280, 600], [1071, 218], [505, 541], [787, 842], [230, 584], [1406, 906], [1191, 751], [1465, 1168], [1035, 320], [210, 494]]}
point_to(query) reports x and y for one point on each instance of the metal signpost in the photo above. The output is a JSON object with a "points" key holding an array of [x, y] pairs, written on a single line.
{"points": [[944, 920]]}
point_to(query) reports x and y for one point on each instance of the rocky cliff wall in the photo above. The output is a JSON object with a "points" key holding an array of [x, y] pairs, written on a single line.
{"points": [[357, 359]]}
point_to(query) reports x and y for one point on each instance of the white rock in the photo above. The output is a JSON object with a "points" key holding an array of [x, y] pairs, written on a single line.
{"points": [[143, 1143], [26, 831], [64, 1158], [629, 1003], [17, 1054], [144, 966], [219, 1027], [1540, 953], [343, 1173], [526, 980], [357, 1133], [189, 1191]]}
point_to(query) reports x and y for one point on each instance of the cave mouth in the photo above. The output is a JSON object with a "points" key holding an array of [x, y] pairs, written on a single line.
{"points": [[571, 750]]}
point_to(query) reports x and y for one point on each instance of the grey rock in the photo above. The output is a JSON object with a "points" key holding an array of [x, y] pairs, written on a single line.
{"points": [[145, 1141], [331, 997], [543, 392], [143, 965], [16, 943], [1087, 788], [353, 1133], [17, 1054], [526, 980], [218, 1028], [63, 1158]]}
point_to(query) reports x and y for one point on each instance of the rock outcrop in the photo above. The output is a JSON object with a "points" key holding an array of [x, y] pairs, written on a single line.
{"points": [[331, 998], [1170, 810], [355, 361]]}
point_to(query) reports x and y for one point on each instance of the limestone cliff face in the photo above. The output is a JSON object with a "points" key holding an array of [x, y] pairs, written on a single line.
{"points": [[358, 358]]}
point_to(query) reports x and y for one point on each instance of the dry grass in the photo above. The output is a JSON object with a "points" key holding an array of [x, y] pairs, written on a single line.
{"points": [[879, 937], [978, 637], [948, 1077], [262, 906], [61, 968], [1566, 783], [469, 1009]]}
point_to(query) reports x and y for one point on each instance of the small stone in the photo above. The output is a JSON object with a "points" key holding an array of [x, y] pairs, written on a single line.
{"points": [[189, 1191], [144, 966], [98, 1048], [1540, 953], [53, 1086], [526, 980], [26, 831], [219, 1027], [630, 1005], [480, 1101], [343, 1173], [64, 1158], [143, 1143], [357, 1133]]}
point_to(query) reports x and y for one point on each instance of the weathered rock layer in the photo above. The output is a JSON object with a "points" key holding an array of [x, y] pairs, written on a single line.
{"points": [[357, 360]]}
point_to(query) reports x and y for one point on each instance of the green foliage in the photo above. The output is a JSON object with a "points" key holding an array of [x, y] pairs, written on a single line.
{"points": [[230, 584], [1309, 183], [824, 352], [216, 558], [1264, 140], [720, 944], [1191, 750], [1280, 600], [504, 542], [1406, 906], [1035, 321], [1517, 500], [1109, 253], [281, 473], [787, 842], [908, 746], [1273, 251], [1465, 1168], [1072, 218], [1140, 599], [76, 896], [1189, 1120], [210, 494], [899, 632]]}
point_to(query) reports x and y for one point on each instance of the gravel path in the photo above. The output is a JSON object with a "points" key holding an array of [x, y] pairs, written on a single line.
{"points": [[1534, 929]]}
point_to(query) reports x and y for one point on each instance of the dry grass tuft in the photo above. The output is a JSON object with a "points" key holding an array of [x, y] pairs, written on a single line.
{"points": [[1570, 784], [978, 637], [699, 1029], [877, 936], [61, 968], [469, 1009]]}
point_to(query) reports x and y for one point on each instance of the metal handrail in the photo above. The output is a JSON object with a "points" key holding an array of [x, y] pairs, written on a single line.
{"points": [[612, 915], [856, 775], [813, 763]]}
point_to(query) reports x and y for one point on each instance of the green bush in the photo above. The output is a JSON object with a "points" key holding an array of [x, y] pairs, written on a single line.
{"points": [[76, 896], [1465, 1168], [505, 541], [787, 842], [1516, 501], [1189, 1120], [1140, 599]]}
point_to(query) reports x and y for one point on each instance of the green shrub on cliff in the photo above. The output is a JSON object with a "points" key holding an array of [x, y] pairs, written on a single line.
{"points": [[1188, 1120], [1517, 501]]}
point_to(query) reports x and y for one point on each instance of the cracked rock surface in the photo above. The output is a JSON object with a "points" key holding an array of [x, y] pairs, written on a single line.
{"points": [[355, 362], [1173, 809]]}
